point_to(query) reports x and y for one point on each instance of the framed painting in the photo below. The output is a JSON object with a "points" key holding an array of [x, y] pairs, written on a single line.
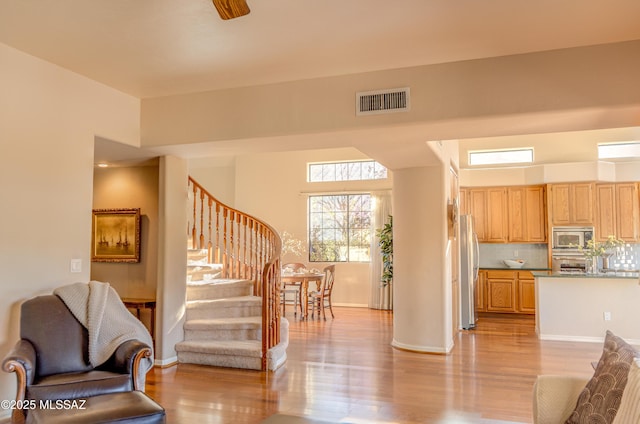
{"points": [[115, 235]]}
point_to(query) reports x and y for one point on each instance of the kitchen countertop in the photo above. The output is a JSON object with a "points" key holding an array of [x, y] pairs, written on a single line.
{"points": [[612, 274], [506, 268]]}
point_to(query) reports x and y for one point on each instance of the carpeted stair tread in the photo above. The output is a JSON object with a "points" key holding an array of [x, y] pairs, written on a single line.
{"points": [[217, 282], [251, 348], [225, 302], [223, 323]]}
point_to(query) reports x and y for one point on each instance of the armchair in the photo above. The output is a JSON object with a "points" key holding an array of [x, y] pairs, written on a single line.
{"points": [[51, 359]]}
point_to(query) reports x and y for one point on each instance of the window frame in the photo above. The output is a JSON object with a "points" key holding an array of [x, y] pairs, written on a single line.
{"points": [[377, 168], [349, 232]]}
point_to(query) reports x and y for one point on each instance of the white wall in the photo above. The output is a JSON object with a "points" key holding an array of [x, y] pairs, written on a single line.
{"points": [[274, 187], [572, 308], [48, 120]]}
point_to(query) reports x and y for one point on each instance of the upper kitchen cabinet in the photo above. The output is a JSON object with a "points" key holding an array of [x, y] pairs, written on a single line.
{"points": [[617, 211], [571, 204], [488, 206], [506, 214], [527, 214]]}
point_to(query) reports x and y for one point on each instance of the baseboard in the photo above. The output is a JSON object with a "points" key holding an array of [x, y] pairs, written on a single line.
{"points": [[422, 349], [352, 305], [166, 363], [581, 339]]}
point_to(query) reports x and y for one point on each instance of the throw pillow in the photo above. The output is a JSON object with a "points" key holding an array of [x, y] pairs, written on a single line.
{"points": [[629, 411], [600, 399]]}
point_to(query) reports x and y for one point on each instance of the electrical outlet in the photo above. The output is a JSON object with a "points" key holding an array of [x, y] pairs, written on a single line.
{"points": [[607, 316], [515, 253]]}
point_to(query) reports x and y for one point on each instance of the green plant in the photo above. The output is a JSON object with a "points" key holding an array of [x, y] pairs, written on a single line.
{"points": [[594, 249], [385, 242]]}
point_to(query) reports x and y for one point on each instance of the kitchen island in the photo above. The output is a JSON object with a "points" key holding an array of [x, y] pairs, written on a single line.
{"points": [[582, 307]]}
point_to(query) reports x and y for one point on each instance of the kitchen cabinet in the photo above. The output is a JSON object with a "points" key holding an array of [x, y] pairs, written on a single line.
{"points": [[526, 292], [481, 290], [617, 211], [501, 291], [527, 214], [507, 214], [488, 206], [571, 204], [506, 291]]}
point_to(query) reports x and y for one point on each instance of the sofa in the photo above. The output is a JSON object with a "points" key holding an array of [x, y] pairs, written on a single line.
{"points": [[610, 396]]}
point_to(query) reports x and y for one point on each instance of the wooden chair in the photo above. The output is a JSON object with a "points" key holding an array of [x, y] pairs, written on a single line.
{"points": [[292, 289], [322, 299]]}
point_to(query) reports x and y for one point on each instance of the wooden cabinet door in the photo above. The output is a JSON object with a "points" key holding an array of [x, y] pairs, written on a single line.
{"points": [[559, 195], [481, 292], [497, 220], [516, 204], [627, 213], [582, 203], [478, 209], [527, 214], [526, 293], [605, 224], [571, 204], [501, 291], [536, 214]]}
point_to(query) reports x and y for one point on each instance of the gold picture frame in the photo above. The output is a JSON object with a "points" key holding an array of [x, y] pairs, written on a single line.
{"points": [[115, 235]]}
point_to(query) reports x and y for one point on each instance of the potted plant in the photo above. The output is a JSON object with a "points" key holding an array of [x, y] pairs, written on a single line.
{"points": [[385, 242]]}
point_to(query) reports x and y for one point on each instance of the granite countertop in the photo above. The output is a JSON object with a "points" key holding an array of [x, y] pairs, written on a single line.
{"points": [[506, 268], [611, 274]]}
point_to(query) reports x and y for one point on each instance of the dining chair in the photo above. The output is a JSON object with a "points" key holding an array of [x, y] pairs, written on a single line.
{"points": [[322, 299], [291, 289]]}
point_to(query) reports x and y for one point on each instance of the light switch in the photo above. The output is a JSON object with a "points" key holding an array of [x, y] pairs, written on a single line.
{"points": [[76, 265]]}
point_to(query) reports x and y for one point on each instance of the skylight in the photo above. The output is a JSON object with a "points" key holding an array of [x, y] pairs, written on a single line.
{"points": [[500, 157], [620, 150]]}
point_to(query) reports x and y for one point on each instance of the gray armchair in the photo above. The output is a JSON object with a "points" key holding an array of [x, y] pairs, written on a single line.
{"points": [[51, 360]]}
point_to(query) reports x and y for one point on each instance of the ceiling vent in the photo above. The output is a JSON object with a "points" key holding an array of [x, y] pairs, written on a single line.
{"points": [[382, 101]]}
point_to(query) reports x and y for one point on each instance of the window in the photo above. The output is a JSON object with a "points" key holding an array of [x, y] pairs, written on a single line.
{"points": [[500, 157], [346, 171], [340, 228], [619, 150]]}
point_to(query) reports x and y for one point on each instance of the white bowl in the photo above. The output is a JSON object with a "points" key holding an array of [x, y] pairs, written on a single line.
{"points": [[514, 263]]}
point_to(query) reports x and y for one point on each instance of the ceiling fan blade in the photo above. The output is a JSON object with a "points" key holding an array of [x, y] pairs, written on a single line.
{"points": [[229, 9]]}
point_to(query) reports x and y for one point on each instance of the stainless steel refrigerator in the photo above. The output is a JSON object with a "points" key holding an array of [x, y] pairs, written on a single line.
{"points": [[469, 264]]}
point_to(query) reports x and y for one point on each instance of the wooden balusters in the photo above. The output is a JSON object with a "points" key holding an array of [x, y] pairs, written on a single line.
{"points": [[246, 247]]}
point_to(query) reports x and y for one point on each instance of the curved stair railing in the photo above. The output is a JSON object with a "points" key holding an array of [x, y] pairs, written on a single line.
{"points": [[246, 247]]}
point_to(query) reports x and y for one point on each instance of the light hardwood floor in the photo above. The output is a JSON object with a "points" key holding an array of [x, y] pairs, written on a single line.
{"points": [[346, 370]]}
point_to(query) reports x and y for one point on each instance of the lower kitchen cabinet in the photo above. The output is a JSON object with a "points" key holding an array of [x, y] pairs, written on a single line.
{"points": [[501, 291], [507, 291], [526, 293]]}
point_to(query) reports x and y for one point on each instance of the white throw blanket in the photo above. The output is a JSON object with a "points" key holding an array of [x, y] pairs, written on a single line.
{"points": [[99, 309]]}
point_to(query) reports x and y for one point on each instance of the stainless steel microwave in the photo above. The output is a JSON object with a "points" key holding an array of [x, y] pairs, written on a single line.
{"points": [[570, 238]]}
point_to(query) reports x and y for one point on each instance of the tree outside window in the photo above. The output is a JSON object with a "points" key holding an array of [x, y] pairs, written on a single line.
{"points": [[340, 228]]}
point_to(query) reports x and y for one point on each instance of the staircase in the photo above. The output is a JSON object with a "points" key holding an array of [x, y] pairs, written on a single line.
{"points": [[232, 309], [223, 320]]}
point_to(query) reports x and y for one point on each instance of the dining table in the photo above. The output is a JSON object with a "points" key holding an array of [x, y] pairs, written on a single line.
{"points": [[303, 278]]}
